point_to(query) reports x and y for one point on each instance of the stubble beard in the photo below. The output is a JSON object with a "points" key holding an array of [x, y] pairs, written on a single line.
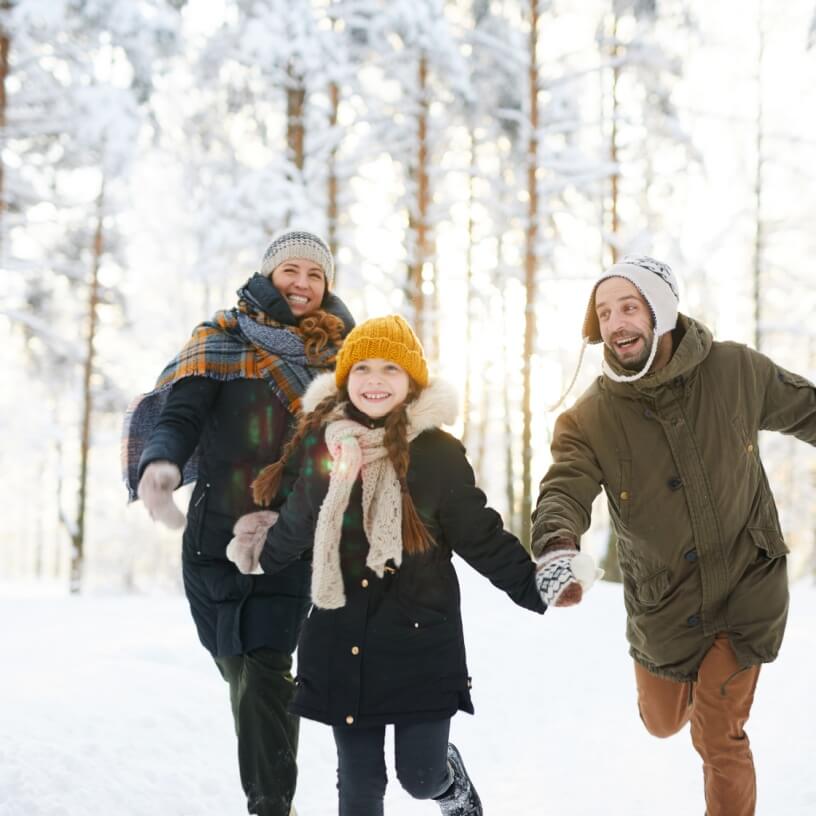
{"points": [[637, 363]]}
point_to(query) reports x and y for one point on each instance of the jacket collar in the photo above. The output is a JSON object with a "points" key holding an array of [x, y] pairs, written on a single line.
{"points": [[264, 295], [692, 349]]}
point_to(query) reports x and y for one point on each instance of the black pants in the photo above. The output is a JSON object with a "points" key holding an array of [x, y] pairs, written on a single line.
{"points": [[261, 687], [420, 757]]}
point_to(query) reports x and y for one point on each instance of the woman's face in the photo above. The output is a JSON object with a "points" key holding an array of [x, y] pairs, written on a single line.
{"points": [[302, 283], [376, 387]]}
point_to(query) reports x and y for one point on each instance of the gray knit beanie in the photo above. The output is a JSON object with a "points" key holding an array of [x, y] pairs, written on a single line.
{"points": [[298, 244]]}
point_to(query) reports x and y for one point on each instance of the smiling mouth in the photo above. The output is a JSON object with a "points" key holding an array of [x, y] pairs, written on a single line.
{"points": [[298, 300], [376, 396], [626, 343]]}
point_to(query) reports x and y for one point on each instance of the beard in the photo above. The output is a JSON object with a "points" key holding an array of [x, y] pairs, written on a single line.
{"points": [[635, 364]]}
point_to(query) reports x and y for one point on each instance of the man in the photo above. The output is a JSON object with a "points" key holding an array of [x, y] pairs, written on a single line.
{"points": [[670, 432]]}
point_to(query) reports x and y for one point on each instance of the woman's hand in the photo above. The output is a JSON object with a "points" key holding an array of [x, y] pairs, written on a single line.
{"points": [[159, 480]]}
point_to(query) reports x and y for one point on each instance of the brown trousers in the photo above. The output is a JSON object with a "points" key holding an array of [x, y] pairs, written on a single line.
{"points": [[717, 704]]}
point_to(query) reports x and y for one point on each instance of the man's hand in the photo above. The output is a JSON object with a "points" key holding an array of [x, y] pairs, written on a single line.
{"points": [[159, 480], [564, 573], [244, 550]]}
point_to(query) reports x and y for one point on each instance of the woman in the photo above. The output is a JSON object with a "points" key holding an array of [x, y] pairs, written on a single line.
{"points": [[221, 411], [383, 500]]}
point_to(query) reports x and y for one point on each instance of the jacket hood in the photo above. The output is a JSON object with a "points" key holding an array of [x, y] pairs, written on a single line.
{"points": [[436, 405], [692, 349]]}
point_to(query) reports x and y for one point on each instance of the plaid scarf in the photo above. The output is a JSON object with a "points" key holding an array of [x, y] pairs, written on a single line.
{"points": [[240, 343]]}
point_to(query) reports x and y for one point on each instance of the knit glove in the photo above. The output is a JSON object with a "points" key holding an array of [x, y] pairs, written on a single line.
{"points": [[564, 574], [249, 537], [159, 480]]}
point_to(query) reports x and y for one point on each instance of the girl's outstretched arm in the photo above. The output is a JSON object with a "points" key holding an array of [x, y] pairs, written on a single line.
{"points": [[476, 532]]}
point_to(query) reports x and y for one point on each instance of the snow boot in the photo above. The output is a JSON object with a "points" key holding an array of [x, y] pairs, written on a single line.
{"points": [[461, 798]]}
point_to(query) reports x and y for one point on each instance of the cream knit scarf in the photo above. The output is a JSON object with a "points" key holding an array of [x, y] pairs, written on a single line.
{"points": [[359, 451]]}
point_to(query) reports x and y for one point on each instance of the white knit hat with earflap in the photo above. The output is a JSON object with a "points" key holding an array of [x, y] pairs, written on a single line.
{"points": [[658, 285]]}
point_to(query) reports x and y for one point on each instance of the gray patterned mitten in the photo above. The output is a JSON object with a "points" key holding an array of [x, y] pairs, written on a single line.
{"points": [[564, 574]]}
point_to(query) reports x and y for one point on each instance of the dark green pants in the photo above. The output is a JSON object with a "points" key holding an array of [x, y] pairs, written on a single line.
{"points": [[261, 687]]}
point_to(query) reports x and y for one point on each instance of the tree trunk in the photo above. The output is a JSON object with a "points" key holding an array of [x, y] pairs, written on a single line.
{"points": [[759, 236], [418, 219], [78, 534], [332, 209], [5, 45], [295, 130], [468, 397], [509, 459], [614, 222], [530, 269]]}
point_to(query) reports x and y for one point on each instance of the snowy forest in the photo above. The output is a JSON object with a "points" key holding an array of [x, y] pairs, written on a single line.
{"points": [[473, 165]]}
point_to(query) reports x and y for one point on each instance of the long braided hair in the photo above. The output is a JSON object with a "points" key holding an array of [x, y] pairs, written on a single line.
{"points": [[415, 535]]}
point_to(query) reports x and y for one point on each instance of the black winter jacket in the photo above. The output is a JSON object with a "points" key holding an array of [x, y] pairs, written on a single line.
{"points": [[395, 652], [239, 427]]}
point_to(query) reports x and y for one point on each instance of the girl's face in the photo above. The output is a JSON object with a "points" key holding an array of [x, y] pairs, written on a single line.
{"points": [[302, 284], [376, 387]]}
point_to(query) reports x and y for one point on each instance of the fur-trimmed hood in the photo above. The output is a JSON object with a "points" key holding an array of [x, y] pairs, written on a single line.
{"points": [[436, 405]]}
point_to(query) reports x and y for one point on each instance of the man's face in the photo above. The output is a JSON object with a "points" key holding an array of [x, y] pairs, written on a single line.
{"points": [[625, 320]]}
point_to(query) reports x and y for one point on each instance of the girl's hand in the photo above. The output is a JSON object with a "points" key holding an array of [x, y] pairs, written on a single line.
{"points": [[245, 548]]}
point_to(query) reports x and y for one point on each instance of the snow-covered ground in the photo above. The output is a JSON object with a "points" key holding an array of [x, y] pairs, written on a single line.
{"points": [[108, 705]]}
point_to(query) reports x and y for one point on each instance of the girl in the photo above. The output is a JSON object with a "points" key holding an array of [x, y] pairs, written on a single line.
{"points": [[383, 500], [221, 410]]}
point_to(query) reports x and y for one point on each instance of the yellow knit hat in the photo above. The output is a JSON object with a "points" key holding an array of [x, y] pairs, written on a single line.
{"points": [[389, 338]]}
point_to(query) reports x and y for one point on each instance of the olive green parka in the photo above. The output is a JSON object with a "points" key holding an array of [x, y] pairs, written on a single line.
{"points": [[699, 540]]}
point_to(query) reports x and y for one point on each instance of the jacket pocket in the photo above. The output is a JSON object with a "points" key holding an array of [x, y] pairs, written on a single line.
{"points": [[650, 590], [789, 378], [769, 542], [620, 494], [748, 442]]}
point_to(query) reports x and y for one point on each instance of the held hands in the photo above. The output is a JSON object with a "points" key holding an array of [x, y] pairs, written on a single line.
{"points": [[244, 550], [564, 573], [159, 480]]}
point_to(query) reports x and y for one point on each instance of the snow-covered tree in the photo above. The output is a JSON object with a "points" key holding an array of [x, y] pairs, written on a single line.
{"points": [[81, 76]]}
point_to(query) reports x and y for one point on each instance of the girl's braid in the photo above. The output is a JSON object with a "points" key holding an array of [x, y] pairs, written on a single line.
{"points": [[415, 535]]}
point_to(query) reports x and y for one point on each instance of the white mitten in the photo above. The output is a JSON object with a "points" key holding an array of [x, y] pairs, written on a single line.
{"points": [[245, 548], [564, 575], [159, 480]]}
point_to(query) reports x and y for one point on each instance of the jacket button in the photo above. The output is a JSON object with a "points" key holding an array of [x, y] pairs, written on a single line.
{"points": [[693, 620], [349, 720], [648, 413], [355, 650], [364, 583], [750, 448], [624, 495], [691, 555], [675, 483], [416, 625]]}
